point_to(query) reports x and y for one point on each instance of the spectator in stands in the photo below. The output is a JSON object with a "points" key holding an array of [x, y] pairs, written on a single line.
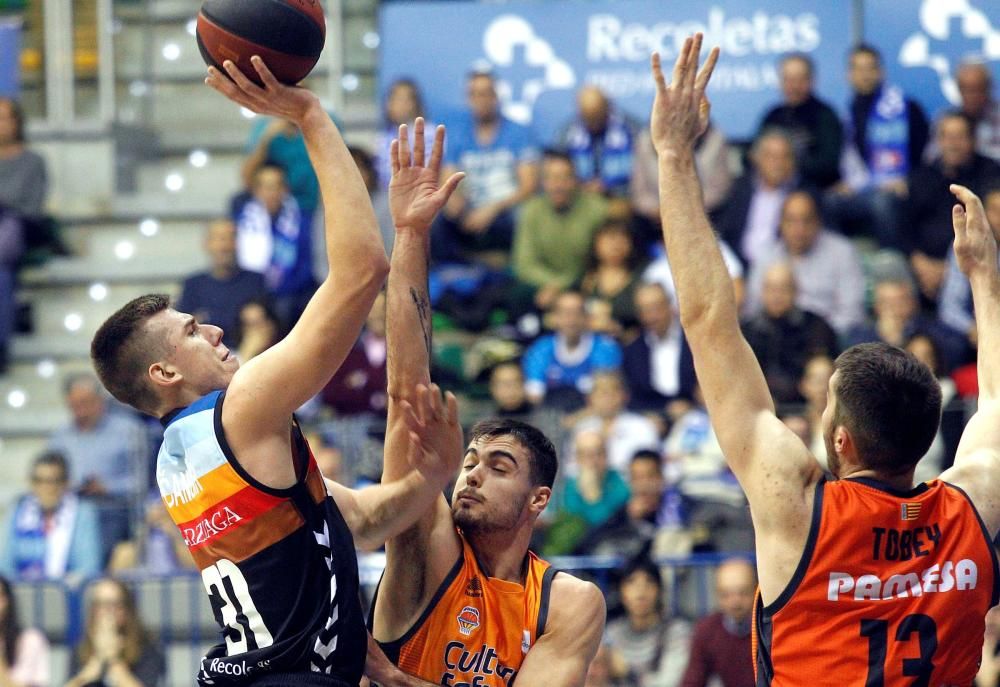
{"points": [[601, 143], [749, 220], [108, 455], [815, 387], [711, 159], [274, 237], [613, 272], [885, 140], [783, 336], [11, 248], [715, 506], [955, 307], [379, 197], [500, 160], [279, 143], [50, 532], [810, 123], [606, 412], [975, 89], [596, 492], [720, 647], [826, 265], [927, 234], [507, 392], [24, 652], [649, 647], [359, 385], [257, 330], [559, 367], [157, 549], [116, 648], [898, 318], [555, 230], [658, 366], [23, 177], [653, 519], [403, 104], [216, 295]]}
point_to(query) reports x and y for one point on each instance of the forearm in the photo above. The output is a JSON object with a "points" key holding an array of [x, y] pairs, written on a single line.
{"points": [[704, 287], [986, 300], [352, 236], [388, 509]]}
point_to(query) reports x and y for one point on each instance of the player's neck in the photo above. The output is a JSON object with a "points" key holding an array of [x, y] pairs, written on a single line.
{"points": [[902, 482], [502, 554]]}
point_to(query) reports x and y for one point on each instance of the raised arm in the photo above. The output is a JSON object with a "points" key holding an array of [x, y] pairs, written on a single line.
{"points": [[977, 462], [772, 465], [415, 197], [275, 383]]}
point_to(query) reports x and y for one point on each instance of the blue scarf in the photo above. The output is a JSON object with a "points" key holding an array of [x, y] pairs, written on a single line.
{"points": [[888, 136], [609, 158], [288, 269]]}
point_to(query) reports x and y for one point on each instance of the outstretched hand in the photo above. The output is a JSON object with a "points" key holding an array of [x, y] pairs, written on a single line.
{"points": [[680, 110], [975, 241], [416, 193], [274, 98], [436, 439]]}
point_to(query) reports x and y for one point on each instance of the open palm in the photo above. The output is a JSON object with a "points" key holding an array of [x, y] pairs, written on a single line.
{"points": [[416, 193]]}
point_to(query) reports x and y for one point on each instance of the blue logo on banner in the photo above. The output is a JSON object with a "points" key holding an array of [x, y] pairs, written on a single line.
{"points": [[924, 41], [543, 52], [10, 51]]}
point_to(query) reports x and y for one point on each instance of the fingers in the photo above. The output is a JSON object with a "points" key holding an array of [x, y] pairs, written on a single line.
{"points": [[438, 150], [226, 87], [964, 195], [654, 64], [404, 146], [452, 405], [691, 63], [251, 89], [680, 65], [394, 156], [442, 195], [418, 142], [270, 82], [436, 405], [413, 423], [701, 83], [959, 222]]}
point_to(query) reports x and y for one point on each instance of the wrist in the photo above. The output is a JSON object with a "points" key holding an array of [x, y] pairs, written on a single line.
{"points": [[672, 157], [312, 115]]}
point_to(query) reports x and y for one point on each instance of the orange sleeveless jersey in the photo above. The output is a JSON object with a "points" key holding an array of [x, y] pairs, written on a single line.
{"points": [[476, 629], [892, 589]]}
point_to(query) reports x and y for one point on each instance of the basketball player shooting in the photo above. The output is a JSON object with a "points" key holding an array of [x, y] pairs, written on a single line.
{"points": [[276, 553], [865, 579], [463, 601]]}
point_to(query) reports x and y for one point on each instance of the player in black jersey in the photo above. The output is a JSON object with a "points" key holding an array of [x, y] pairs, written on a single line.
{"points": [[276, 552]]}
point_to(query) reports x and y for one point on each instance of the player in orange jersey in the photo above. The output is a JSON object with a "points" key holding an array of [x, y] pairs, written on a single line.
{"points": [[463, 601], [865, 579]]}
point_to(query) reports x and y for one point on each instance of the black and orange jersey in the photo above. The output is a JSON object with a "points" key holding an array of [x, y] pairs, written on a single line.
{"points": [[476, 629], [892, 589], [279, 565]]}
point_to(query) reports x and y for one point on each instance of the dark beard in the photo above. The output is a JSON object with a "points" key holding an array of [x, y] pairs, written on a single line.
{"points": [[487, 523]]}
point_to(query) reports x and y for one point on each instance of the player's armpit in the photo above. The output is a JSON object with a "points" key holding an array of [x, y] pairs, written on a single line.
{"points": [[977, 473], [572, 635]]}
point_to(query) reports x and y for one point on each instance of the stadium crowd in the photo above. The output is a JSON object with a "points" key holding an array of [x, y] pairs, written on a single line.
{"points": [[553, 303]]}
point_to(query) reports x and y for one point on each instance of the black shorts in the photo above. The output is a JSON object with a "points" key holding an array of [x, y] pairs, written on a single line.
{"points": [[309, 679]]}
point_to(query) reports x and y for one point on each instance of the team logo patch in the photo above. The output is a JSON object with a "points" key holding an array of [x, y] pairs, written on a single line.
{"points": [[474, 588], [525, 641], [468, 620], [909, 511]]}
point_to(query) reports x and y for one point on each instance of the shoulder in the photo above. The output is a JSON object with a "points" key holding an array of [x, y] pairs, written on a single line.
{"points": [[574, 604], [606, 343], [32, 640], [543, 345]]}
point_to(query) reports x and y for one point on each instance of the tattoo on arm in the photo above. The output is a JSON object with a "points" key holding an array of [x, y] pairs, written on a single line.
{"points": [[424, 313]]}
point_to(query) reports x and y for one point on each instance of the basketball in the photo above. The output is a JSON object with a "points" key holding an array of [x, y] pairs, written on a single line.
{"points": [[287, 34]]}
